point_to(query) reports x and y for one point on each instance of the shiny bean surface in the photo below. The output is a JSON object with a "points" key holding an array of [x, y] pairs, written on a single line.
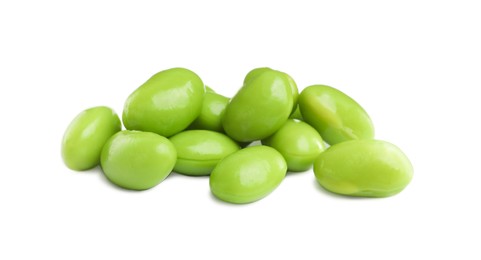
{"points": [[248, 175], [86, 135], [336, 116], [199, 151], [210, 117], [260, 107], [293, 86], [298, 143], [137, 160], [365, 168], [166, 104]]}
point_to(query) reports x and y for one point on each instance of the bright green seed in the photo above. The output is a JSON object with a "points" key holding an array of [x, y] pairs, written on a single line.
{"points": [[248, 175], [199, 151], [298, 142], [365, 168], [336, 116], [260, 107], [211, 113], [86, 135], [166, 104], [137, 160]]}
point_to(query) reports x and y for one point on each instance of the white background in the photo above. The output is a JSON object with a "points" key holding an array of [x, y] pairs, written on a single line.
{"points": [[414, 66]]}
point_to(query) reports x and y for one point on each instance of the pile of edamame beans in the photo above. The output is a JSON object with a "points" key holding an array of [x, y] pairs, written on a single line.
{"points": [[175, 123]]}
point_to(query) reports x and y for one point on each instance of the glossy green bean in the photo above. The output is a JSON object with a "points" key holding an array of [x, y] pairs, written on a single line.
{"points": [[248, 175], [199, 151], [166, 104], [299, 144], [365, 168], [137, 160], [86, 135], [260, 107], [336, 116]]}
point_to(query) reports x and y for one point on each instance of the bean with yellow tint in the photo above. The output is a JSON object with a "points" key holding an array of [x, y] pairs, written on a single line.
{"points": [[335, 115], [363, 168]]}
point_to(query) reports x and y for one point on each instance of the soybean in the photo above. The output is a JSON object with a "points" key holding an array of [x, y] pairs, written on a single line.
{"points": [[199, 151], [298, 143], [166, 104], [292, 84], [335, 115], [260, 107], [137, 160], [86, 135], [363, 168], [213, 108], [292, 128], [248, 175]]}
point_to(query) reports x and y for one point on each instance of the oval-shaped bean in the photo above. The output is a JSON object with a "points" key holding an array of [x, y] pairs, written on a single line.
{"points": [[166, 104], [258, 71], [86, 135], [336, 116], [259, 108], [137, 160], [248, 175], [299, 144], [211, 113], [199, 151], [365, 168]]}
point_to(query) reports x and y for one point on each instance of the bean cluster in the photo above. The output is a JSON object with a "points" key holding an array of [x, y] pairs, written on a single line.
{"points": [[176, 123]]}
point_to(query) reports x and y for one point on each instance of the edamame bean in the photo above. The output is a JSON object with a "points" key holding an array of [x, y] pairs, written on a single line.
{"points": [[137, 160], [299, 144], [258, 71], [211, 113], [199, 151], [248, 175], [86, 135], [260, 107], [336, 116], [366, 168], [166, 104]]}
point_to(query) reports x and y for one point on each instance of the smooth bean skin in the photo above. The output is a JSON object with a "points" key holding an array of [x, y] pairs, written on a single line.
{"points": [[363, 168], [199, 151], [259, 108], [258, 71], [336, 116], [166, 104], [86, 135], [210, 117], [248, 175], [299, 144], [137, 160]]}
